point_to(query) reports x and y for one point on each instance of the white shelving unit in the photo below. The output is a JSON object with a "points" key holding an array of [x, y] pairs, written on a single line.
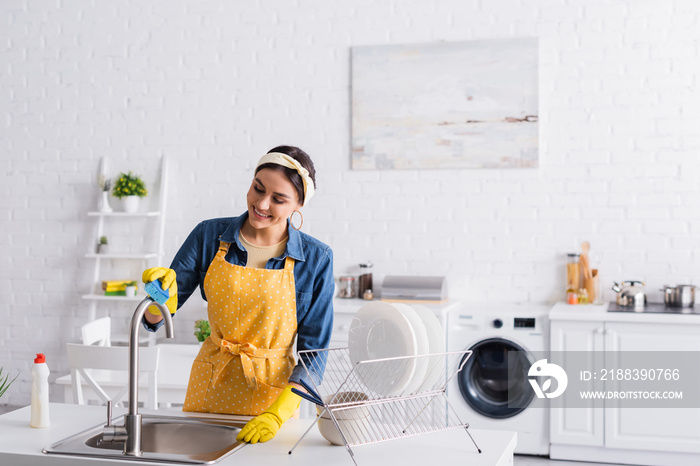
{"points": [[154, 257]]}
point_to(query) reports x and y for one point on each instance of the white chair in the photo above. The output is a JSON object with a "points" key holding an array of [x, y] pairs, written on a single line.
{"points": [[100, 331], [97, 332], [114, 359]]}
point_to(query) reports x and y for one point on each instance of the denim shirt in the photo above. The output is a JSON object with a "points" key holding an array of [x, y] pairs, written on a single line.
{"points": [[313, 276]]}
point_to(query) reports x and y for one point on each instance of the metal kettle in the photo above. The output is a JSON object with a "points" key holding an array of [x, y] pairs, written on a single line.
{"points": [[630, 293]]}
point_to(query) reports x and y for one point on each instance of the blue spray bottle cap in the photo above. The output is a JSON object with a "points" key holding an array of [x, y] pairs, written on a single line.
{"points": [[156, 292]]}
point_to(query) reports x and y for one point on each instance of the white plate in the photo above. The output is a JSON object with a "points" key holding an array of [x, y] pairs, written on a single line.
{"points": [[436, 343], [422, 347], [379, 331]]}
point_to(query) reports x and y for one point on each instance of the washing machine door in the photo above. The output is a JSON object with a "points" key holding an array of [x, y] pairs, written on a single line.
{"points": [[487, 377]]}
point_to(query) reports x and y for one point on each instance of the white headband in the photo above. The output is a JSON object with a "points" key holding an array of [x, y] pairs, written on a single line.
{"points": [[287, 161]]}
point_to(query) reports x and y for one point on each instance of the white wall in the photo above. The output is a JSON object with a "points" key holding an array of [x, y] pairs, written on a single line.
{"points": [[215, 84]]}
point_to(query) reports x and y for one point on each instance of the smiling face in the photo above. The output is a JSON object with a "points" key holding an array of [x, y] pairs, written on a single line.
{"points": [[271, 200]]}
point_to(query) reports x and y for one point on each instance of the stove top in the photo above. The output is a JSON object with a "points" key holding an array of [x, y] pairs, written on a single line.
{"points": [[654, 308]]}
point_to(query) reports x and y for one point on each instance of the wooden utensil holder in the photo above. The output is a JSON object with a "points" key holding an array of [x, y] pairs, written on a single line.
{"points": [[592, 285]]}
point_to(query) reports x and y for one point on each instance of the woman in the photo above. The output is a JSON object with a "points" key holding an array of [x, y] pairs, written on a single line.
{"points": [[265, 283]]}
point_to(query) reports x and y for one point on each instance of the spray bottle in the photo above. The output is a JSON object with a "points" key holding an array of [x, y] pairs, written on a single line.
{"points": [[40, 393]]}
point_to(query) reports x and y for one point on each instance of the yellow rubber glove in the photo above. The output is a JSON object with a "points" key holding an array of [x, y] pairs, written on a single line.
{"points": [[262, 428], [168, 282]]}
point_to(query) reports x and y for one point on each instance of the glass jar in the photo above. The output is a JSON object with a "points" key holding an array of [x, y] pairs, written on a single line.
{"points": [[573, 273], [573, 278], [347, 287], [365, 278]]}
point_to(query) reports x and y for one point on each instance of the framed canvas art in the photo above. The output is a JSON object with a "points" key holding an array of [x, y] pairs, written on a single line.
{"points": [[445, 105]]}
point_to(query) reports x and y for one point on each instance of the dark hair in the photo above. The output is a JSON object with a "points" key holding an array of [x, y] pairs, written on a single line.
{"points": [[293, 175]]}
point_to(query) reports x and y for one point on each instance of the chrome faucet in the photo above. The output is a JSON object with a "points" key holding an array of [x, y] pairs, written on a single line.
{"points": [[130, 432]]}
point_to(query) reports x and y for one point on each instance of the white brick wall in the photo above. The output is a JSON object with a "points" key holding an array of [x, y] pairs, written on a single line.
{"points": [[214, 84]]}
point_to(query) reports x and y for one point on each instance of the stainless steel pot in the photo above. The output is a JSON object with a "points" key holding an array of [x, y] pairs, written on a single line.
{"points": [[630, 293], [679, 295]]}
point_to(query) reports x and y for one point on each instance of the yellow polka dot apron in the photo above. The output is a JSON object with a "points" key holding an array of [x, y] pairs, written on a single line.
{"points": [[246, 362]]}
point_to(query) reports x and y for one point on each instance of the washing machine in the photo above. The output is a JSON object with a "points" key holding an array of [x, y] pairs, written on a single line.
{"points": [[492, 389]]}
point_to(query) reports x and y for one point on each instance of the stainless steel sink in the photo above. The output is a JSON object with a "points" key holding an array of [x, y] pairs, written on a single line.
{"points": [[183, 440]]}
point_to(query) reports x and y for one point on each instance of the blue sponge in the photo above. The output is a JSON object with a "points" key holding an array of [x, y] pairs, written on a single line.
{"points": [[156, 292]]}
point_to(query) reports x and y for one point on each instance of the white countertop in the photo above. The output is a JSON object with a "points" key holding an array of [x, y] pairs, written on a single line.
{"points": [[20, 445], [599, 313]]}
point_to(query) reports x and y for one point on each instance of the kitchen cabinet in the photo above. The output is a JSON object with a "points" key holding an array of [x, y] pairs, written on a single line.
{"points": [[147, 252], [635, 435], [579, 426], [344, 312]]}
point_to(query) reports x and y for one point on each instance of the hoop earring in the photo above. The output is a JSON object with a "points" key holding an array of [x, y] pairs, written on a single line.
{"points": [[302, 220]]}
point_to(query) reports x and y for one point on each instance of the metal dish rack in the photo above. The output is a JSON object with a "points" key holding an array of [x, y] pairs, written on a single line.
{"points": [[366, 407]]}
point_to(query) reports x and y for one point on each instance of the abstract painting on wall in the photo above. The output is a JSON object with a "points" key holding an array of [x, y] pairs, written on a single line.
{"points": [[445, 105]]}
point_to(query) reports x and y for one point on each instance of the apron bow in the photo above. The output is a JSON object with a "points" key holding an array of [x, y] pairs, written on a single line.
{"points": [[229, 351], [246, 351]]}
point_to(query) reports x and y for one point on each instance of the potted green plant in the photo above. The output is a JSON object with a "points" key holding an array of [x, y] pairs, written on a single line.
{"points": [[4, 384], [129, 188], [130, 288], [102, 245], [202, 330]]}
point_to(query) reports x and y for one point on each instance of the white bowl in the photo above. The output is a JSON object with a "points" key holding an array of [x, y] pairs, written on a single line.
{"points": [[355, 401], [354, 421], [353, 429]]}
